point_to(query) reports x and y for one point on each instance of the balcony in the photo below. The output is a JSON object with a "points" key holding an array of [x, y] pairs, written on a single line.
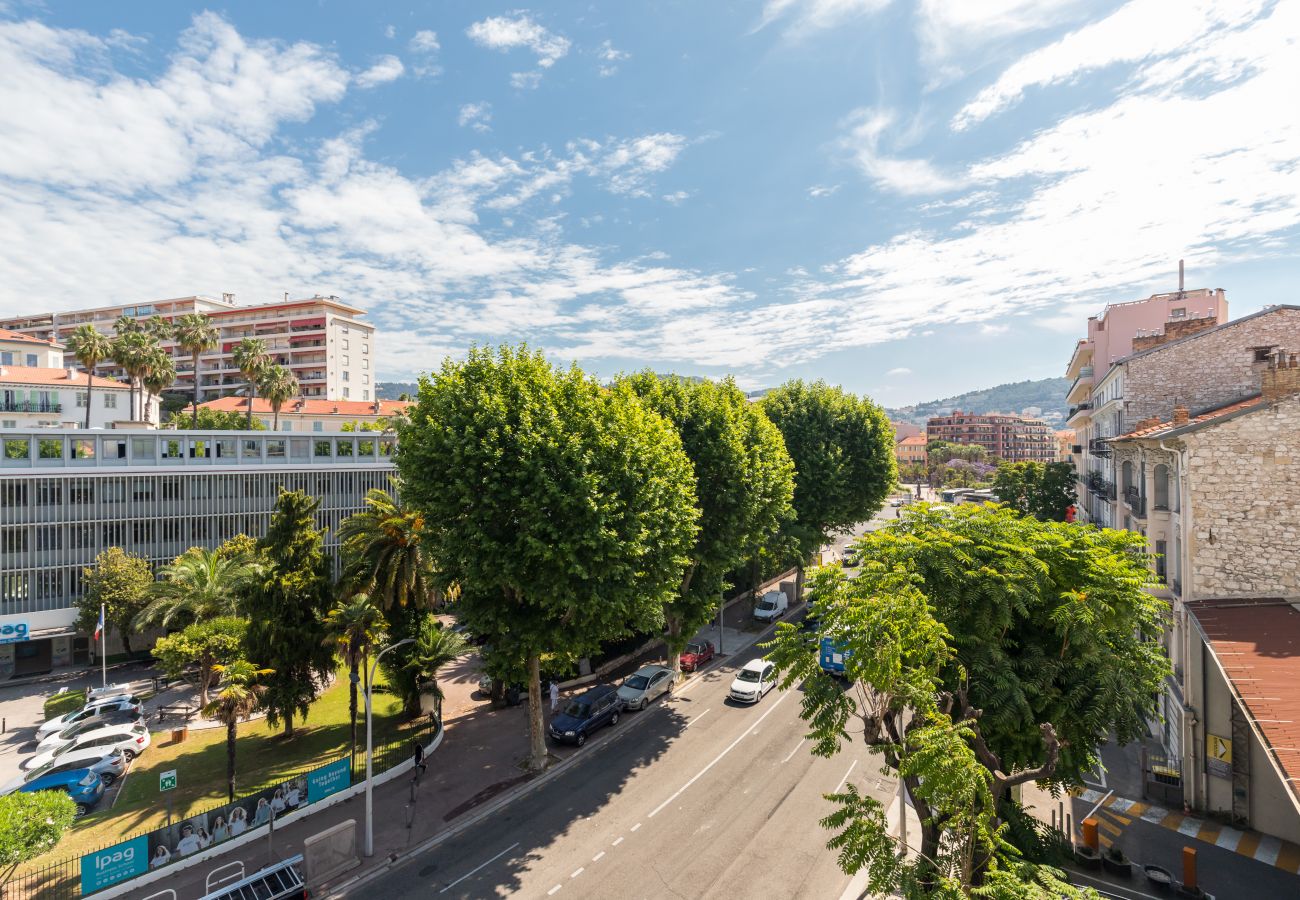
{"points": [[1100, 486], [29, 406], [1134, 500], [1099, 446], [1078, 408]]}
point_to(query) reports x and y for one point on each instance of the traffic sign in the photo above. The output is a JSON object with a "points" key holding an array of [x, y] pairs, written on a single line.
{"points": [[167, 780], [1218, 755]]}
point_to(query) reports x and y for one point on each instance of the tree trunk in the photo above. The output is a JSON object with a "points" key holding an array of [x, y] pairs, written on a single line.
{"points": [[798, 585], [352, 705], [674, 645], [90, 391], [125, 639], [205, 678], [194, 420], [288, 724], [252, 395], [536, 733], [230, 758]]}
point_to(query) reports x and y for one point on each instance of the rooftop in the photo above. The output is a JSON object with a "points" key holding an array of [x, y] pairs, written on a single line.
{"points": [[1209, 416], [53, 377], [7, 335], [306, 407]]}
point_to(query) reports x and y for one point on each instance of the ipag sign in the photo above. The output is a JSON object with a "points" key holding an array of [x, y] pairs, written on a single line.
{"points": [[13, 632], [118, 863]]}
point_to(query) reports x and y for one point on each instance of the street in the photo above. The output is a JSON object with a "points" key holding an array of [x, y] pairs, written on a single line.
{"points": [[704, 797]]}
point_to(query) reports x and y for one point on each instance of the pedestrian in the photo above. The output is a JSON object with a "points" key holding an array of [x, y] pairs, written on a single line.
{"points": [[419, 757], [555, 697]]}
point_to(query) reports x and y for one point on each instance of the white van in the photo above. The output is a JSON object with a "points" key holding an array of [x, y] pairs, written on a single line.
{"points": [[771, 606]]}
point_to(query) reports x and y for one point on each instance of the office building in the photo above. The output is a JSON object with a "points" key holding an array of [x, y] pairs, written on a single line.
{"points": [[1012, 438]]}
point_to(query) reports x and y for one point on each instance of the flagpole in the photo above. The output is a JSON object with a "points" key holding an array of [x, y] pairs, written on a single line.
{"points": [[103, 645]]}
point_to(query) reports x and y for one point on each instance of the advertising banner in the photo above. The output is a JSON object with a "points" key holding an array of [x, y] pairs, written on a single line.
{"points": [[329, 779], [120, 862]]}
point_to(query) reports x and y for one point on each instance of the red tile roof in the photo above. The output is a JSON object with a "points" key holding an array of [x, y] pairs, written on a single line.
{"points": [[1203, 419], [54, 377], [7, 335], [1257, 644], [305, 407]]}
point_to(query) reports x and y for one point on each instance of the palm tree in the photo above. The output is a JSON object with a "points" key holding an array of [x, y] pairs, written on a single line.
{"points": [[238, 699], [385, 554], [159, 375], [417, 672], [199, 584], [251, 359], [278, 386], [131, 351], [195, 334], [353, 626], [90, 347]]}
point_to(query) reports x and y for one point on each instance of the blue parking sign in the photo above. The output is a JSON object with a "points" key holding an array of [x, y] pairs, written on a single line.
{"points": [[115, 864]]}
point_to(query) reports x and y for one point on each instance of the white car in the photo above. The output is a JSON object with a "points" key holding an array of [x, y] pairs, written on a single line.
{"points": [[108, 767], [771, 606], [132, 740], [754, 680], [70, 733], [95, 710], [644, 685]]}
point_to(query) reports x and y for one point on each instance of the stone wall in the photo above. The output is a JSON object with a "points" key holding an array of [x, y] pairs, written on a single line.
{"points": [[1244, 490], [1214, 368]]}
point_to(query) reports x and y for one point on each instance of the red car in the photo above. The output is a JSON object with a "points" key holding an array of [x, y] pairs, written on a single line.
{"points": [[696, 654]]}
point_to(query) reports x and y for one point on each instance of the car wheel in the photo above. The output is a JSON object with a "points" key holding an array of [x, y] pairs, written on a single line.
{"points": [[613, 720], [582, 738], [108, 778], [130, 754], [82, 809]]}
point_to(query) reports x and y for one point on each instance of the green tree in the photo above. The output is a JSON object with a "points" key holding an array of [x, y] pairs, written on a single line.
{"points": [[1044, 491], [385, 554], [416, 671], [196, 334], [159, 374], [352, 627], [240, 696], [251, 360], [209, 419], [197, 585], [206, 644], [843, 451], [278, 385], [31, 824], [988, 649], [131, 351], [286, 609], [91, 347], [744, 481], [120, 581], [565, 511]]}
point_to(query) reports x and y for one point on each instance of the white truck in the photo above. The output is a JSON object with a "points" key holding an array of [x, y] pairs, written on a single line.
{"points": [[771, 606]]}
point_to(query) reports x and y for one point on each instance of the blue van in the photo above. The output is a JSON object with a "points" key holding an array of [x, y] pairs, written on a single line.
{"points": [[585, 713], [832, 658]]}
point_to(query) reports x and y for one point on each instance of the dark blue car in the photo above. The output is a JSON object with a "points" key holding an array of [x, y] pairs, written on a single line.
{"points": [[82, 785], [584, 714]]}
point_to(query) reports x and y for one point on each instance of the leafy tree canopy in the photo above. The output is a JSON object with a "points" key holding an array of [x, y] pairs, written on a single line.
{"points": [[205, 645], [122, 582], [1044, 491], [214, 420], [31, 824]]}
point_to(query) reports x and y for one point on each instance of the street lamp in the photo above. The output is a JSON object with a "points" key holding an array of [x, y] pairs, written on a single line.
{"points": [[370, 685]]}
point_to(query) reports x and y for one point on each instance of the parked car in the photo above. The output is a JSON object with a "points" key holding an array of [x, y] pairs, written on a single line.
{"points": [[82, 785], [72, 732], [753, 681], [93, 710], [585, 713], [108, 766], [645, 684], [696, 654], [131, 739], [771, 606]]}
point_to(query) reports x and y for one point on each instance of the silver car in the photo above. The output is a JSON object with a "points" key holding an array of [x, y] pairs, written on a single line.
{"points": [[109, 766], [644, 685]]}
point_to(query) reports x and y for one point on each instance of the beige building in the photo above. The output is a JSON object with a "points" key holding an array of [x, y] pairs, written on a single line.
{"points": [[320, 339], [36, 391]]}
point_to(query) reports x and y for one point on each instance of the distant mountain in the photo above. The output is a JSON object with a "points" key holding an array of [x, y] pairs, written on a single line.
{"points": [[1043, 399], [390, 390]]}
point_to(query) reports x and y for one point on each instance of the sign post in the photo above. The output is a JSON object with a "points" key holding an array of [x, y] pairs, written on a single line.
{"points": [[1218, 755], [167, 784]]}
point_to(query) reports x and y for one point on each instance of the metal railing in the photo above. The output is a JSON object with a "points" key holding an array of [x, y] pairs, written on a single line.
{"points": [[1134, 500], [30, 406]]}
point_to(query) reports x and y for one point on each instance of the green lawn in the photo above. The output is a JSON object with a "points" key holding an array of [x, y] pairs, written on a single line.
{"points": [[263, 758]]}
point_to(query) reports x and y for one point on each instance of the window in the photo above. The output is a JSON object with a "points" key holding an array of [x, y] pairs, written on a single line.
{"points": [[13, 540], [226, 449], [142, 490], [49, 538], [1178, 313], [114, 448], [110, 400], [1262, 354], [171, 488], [17, 448], [51, 448], [1126, 475], [8, 423], [322, 448], [345, 373], [143, 448], [365, 395], [365, 348], [275, 449], [343, 448], [266, 423], [83, 449], [1162, 486], [287, 425], [82, 399], [252, 450], [318, 425], [1161, 567], [173, 449], [345, 343], [31, 360], [365, 364], [346, 361], [346, 393], [365, 379]]}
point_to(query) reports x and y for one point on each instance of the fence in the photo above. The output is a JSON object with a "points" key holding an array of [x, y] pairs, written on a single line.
{"points": [[62, 879]]}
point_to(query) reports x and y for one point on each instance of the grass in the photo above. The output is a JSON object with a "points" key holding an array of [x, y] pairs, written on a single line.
{"points": [[263, 758], [68, 701]]}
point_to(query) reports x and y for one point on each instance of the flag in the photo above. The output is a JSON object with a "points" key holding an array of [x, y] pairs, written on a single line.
{"points": [[99, 626]]}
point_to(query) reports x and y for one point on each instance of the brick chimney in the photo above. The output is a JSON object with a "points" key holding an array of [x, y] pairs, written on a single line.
{"points": [[1282, 377], [1180, 414]]}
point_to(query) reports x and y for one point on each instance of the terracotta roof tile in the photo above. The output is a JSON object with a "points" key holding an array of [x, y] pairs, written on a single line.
{"points": [[306, 407], [7, 335], [54, 377], [1202, 419]]}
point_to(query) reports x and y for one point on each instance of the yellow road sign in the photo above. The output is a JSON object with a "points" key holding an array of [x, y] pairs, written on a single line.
{"points": [[1219, 748]]}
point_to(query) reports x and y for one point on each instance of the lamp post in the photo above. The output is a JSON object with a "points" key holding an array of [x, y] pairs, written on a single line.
{"points": [[370, 685]]}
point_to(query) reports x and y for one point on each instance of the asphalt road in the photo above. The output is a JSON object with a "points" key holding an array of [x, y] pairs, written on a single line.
{"points": [[694, 797]]}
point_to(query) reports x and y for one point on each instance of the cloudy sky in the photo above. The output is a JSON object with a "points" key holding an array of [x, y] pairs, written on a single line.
{"points": [[908, 198]]}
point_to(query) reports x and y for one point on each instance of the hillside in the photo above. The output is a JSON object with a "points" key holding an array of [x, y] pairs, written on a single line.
{"points": [[1047, 394], [389, 390]]}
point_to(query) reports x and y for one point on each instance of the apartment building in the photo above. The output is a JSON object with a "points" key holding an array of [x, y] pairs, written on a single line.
{"points": [[36, 391], [1012, 438], [66, 495], [911, 450], [320, 339], [315, 415]]}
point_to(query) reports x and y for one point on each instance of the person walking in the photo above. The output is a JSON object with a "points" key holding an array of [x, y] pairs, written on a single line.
{"points": [[419, 757], [555, 697]]}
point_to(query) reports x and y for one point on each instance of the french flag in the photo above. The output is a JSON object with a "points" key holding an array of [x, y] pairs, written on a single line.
{"points": [[99, 626]]}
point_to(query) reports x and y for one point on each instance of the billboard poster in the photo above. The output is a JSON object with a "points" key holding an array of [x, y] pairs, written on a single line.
{"points": [[107, 867], [329, 779]]}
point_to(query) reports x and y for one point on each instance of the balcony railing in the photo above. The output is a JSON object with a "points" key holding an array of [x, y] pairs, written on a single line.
{"points": [[1099, 446], [1135, 501], [1078, 407], [29, 406], [1100, 486]]}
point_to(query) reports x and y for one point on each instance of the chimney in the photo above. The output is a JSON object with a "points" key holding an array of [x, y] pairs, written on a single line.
{"points": [[72, 374], [378, 406], [1281, 379], [1180, 276], [1180, 414]]}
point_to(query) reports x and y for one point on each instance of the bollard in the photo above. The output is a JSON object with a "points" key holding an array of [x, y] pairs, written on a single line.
{"points": [[1090, 834], [1189, 868]]}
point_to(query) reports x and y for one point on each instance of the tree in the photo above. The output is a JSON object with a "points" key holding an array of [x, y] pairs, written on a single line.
{"points": [[197, 585], [384, 552], [195, 334], [121, 582], [31, 824], [90, 347], [416, 671], [744, 481], [251, 360], [352, 627], [131, 349], [206, 644], [1044, 491], [159, 374], [987, 649], [843, 451], [286, 609], [209, 419], [278, 385], [565, 511], [240, 696]]}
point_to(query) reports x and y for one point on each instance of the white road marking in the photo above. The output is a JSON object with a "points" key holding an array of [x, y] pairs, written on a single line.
{"points": [[483, 866], [846, 777], [554, 889], [617, 842], [637, 825], [717, 759], [1093, 811], [581, 869], [697, 718], [802, 741], [597, 857]]}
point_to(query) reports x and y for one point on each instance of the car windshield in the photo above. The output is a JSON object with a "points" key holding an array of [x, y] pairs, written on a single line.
{"points": [[748, 675], [636, 682], [40, 772], [578, 710], [767, 604], [695, 649]]}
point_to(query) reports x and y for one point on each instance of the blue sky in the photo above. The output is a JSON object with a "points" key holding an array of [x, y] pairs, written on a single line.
{"points": [[909, 199]]}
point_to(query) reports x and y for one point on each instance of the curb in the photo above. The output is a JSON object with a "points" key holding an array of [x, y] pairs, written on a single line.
{"points": [[397, 860]]}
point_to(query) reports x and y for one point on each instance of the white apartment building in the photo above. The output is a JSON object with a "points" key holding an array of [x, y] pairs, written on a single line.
{"points": [[36, 391], [320, 339], [66, 495]]}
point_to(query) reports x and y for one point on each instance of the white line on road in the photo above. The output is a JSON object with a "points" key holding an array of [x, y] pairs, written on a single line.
{"points": [[554, 889], [697, 718], [483, 866], [580, 870], [617, 842], [1098, 806], [597, 857], [846, 777], [717, 759], [802, 741], [637, 825]]}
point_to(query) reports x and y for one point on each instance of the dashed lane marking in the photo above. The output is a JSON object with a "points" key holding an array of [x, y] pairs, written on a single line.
{"points": [[578, 871], [637, 825], [597, 857], [802, 741], [617, 842], [697, 718], [477, 868], [846, 777], [554, 889]]}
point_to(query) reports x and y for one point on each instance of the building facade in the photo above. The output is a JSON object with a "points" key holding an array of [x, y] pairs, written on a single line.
{"points": [[36, 391], [320, 339], [1012, 438], [910, 450], [66, 495], [315, 415]]}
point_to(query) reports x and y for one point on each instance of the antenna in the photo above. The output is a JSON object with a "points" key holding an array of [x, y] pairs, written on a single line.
{"points": [[1180, 277]]}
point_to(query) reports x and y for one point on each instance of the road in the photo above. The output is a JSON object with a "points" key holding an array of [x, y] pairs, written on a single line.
{"points": [[694, 797]]}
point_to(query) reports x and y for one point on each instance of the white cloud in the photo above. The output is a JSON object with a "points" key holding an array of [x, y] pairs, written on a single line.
{"points": [[390, 31], [901, 370], [476, 115], [992, 329], [950, 29], [425, 42], [610, 57], [677, 198], [525, 81], [866, 130], [388, 68], [518, 30], [811, 15], [817, 191]]}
